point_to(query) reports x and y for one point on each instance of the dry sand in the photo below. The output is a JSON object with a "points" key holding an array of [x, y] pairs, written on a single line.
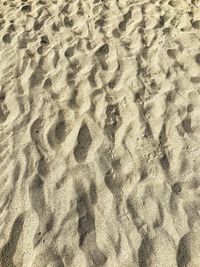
{"points": [[100, 133]]}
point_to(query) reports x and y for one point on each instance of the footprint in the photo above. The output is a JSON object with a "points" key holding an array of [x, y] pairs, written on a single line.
{"points": [[11, 28], [41, 2], [35, 131], [55, 27], [43, 228], [100, 22], [162, 135], [36, 78], [98, 257], [114, 81], [8, 251], [183, 255], [37, 196], [190, 108], [69, 52], [26, 9], [68, 23], [172, 3], [196, 24], [112, 113], [84, 141], [102, 51], [144, 252], [40, 50], [4, 112], [91, 77], [71, 75], [195, 79], [38, 25], [122, 24], [151, 254], [176, 188], [65, 8], [143, 174], [6, 38], [197, 58], [171, 53], [23, 40], [72, 102], [164, 162], [43, 168], [116, 33], [57, 134], [86, 221], [44, 40], [2, 96], [93, 193], [56, 59], [166, 30], [60, 130], [74, 65], [186, 123], [47, 83]]}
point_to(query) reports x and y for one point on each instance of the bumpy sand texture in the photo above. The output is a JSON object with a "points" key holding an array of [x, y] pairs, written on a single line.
{"points": [[99, 133]]}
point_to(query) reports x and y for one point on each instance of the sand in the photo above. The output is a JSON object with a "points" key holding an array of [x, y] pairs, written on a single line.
{"points": [[100, 133]]}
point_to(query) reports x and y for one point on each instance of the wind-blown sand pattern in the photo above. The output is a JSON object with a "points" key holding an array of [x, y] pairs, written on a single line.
{"points": [[100, 133]]}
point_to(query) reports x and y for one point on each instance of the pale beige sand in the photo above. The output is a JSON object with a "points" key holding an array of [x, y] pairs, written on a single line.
{"points": [[100, 133]]}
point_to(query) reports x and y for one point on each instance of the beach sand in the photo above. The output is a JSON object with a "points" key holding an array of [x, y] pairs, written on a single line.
{"points": [[100, 133]]}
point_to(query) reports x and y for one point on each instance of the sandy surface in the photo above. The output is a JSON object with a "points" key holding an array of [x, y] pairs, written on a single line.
{"points": [[100, 133]]}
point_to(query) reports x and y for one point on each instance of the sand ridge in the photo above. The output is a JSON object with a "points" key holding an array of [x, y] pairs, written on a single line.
{"points": [[99, 133]]}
